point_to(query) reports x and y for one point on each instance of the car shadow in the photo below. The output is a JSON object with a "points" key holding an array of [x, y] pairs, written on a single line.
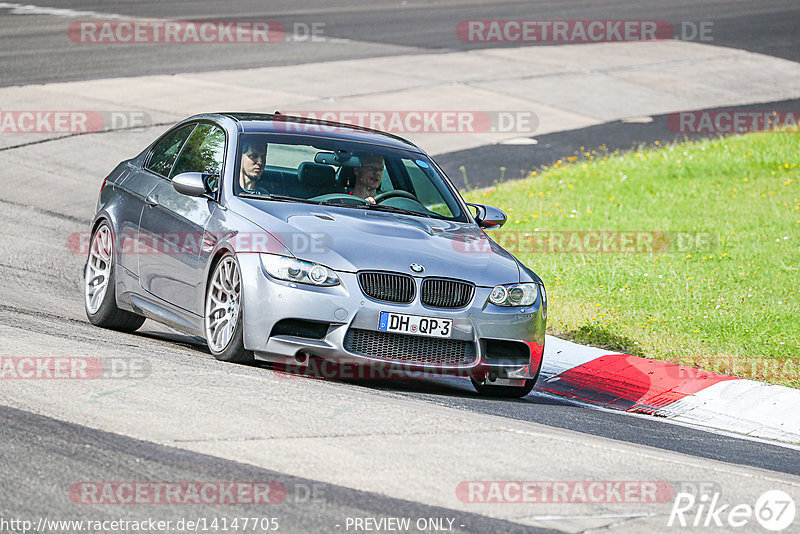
{"points": [[177, 338], [452, 387]]}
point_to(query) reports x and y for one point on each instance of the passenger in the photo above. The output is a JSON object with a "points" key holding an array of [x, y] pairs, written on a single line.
{"points": [[254, 158], [368, 177]]}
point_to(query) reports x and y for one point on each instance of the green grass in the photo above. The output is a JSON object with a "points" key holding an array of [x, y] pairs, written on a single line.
{"points": [[720, 290]]}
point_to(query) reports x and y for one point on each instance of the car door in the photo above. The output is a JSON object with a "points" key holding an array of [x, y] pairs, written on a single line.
{"points": [[135, 188], [174, 223]]}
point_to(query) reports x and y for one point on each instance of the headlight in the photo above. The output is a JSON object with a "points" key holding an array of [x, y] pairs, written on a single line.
{"points": [[498, 295], [293, 270], [514, 294]]}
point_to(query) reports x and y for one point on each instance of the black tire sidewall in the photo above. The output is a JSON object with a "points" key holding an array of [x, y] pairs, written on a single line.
{"points": [[505, 391]]}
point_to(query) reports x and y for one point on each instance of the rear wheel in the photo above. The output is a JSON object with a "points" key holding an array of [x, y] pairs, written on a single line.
{"points": [[223, 313], [98, 285]]}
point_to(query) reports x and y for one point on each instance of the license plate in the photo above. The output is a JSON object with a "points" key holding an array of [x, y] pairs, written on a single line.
{"points": [[415, 325]]}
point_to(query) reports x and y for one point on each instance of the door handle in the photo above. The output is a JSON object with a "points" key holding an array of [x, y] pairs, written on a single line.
{"points": [[151, 200]]}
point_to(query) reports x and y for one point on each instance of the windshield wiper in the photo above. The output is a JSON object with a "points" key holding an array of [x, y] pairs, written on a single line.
{"points": [[381, 207], [368, 206], [279, 198]]}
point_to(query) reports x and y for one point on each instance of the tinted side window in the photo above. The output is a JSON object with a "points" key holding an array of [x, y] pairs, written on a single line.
{"points": [[167, 149], [203, 151], [426, 191]]}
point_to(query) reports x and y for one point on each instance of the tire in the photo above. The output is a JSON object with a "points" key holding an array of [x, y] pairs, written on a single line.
{"points": [[99, 298], [223, 323], [504, 392]]}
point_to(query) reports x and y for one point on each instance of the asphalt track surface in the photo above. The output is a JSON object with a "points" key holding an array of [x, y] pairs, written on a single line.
{"points": [[42, 456], [84, 454], [35, 49]]}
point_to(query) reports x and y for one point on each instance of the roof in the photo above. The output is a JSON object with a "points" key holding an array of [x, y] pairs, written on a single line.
{"points": [[287, 124]]}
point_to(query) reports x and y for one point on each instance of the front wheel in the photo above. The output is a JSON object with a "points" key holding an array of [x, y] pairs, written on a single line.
{"points": [[485, 388], [223, 313], [98, 285]]}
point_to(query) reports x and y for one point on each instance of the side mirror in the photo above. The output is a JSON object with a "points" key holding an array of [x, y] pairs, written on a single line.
{"points": [[488, 217], [192, 184]]}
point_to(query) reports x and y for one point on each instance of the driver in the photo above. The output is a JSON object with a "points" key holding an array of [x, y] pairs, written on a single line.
{"points": [[254, 157], [368, 177]]}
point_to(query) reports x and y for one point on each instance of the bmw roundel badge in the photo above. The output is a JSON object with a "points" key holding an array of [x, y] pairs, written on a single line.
{"points": [[416, 267]]}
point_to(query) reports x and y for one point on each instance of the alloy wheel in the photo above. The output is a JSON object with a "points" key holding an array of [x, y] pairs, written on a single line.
{"points": [[223, 303], [98, 268]]}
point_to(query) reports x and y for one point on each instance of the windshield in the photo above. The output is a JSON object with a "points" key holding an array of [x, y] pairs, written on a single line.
{"points": [[344, 174]]}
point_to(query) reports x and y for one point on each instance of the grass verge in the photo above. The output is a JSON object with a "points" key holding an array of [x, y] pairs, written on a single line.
{"points": [[688, 253]]}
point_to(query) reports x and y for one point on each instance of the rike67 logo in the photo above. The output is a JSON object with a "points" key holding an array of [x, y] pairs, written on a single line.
{"points": [[774, 510]]}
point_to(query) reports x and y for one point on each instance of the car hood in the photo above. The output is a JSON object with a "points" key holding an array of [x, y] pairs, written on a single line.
{"points": [[352, 239]]}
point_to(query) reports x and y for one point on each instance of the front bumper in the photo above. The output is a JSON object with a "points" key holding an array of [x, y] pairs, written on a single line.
{"points": [[344, 308]]}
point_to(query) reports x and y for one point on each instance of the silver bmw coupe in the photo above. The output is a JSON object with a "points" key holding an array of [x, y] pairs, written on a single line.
{"points": [[278, 239]]}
